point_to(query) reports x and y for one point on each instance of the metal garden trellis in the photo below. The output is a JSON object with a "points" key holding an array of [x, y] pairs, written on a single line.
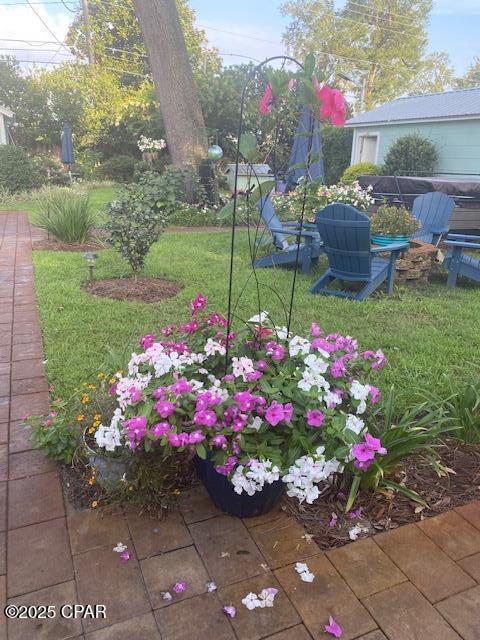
{"points": [[253, 246]]}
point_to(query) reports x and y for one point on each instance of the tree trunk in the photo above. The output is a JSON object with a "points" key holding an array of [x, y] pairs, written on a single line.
{"points": [[174, 81]]}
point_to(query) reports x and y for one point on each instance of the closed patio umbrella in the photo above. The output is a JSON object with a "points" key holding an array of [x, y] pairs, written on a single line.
{"points": [[66, 155], [308, 137]]}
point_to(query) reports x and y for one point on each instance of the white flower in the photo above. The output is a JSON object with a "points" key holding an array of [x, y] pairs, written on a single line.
{"points": [[251, 601], [256, 423], [299, 345], [360, 392], [212, 347], [253, 477], [304, 475], [316, 364], [304, 572], [242, 366], [120, 548], [210, 586], [166, 595], [354, 424], [356, 531], [260, 318], [108, 438], [282, 333]]}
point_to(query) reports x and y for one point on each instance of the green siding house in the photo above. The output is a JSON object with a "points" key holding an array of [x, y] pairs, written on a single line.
{"points": [[451, 120]]}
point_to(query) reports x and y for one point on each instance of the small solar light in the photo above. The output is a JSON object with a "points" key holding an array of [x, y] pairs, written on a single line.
{"points": [[90, 258]]}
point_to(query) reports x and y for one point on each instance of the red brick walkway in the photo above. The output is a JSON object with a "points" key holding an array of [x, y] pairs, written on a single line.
{"points": [[419, 581]]}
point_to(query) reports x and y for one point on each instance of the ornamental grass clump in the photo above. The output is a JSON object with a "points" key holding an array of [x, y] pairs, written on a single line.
{"points": [[65, 215], [279, 407], [389, 220]]}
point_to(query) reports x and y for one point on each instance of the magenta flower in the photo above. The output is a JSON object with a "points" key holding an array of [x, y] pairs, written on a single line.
{"points": [[125, 556], [254, 375], [266, 102], [362, 452], [277, 412], [180, 587], [168, 330], [165, 408], [147, 341], [135, 394], [261, 365], [374, 394], [245, 400], [227, 468], [205, 418], [333, 104], [181, 386], [196, 436], [333, 628], [161, 429], [219, 441], [48, 422], [200, 302], [323, 344], [159, 392], [136, 430], [205, 400], [315, 330], [178, 439], [315, 417], [190, 327], [338, 368], [375, 444]]}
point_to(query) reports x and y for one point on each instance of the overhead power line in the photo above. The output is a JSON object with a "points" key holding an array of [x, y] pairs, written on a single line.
{"points": [[43, 21]]}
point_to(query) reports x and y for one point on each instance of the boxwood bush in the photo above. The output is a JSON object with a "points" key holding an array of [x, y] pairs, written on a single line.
{"points": [[17, 172], [354, 171], [411, 154]]}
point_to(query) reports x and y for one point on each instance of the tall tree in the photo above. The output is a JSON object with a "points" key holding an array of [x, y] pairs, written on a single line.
{"points": [[174, 81], [118, 44], [380, 44], [471, 78]]}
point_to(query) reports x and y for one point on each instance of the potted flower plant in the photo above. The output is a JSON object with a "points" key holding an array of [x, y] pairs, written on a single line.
{"points": [[392, 224], [274, 410]]}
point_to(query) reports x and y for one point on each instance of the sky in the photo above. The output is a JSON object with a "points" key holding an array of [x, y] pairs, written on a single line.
{"points": [[237, 28]]}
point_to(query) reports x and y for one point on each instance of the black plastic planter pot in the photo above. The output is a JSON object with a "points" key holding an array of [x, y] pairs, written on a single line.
{"points": [[223, 494]]}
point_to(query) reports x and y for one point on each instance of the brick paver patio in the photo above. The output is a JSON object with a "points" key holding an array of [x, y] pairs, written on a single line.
{"points": [[416, 582]]}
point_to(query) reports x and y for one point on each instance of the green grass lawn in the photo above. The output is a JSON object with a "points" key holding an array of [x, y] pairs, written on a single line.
{"points": [[425, 331], [99, 197]]}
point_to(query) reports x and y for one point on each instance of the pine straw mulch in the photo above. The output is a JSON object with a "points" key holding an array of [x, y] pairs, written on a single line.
{"points": [[136, 289], [376, 512]]}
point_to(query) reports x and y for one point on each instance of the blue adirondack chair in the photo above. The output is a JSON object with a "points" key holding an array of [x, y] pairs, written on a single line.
{"points": [[346, 241], [285, 237], [459, 263], [433, 210]]}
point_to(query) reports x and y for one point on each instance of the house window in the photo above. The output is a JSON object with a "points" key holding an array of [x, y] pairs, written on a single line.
{"points": [[367, 148]]}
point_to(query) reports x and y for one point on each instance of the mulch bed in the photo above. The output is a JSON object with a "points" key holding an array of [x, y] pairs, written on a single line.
{"points": [[56, 245], [376, 512], [139, 289]]}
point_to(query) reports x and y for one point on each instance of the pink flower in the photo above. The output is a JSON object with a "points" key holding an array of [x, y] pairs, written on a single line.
{"points": [[227, 468], [333, 105], [205, 418], [277, 412], [266, 102], [219, 441], [375, 444], [180, 587], [229, 610], [338, 368], [48, 423], [196, 436], [161, 429], [362, 452], [159, 392], [205, 400], [200, 302], [136, 430], [125, 556], [315, 330], [275, 350], [254, 375], [333, 628], [315, 418], [178, 439], [261, 365], [181, 386], [147, 341], [239, 422], [245, 400], [190, 327], [135, 394], [324, 345], [374, 394], [165, 408]]}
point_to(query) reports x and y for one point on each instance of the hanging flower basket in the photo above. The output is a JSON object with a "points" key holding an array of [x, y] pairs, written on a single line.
{"points": [[227, 500]]}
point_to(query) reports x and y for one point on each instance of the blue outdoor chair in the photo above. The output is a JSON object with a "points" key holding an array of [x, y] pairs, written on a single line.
{"points": [[457, 262], [433, 210], [285, 237], [346, 241]]}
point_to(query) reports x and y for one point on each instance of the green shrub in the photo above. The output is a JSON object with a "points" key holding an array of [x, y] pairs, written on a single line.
{"points": [[411, 154], [89, 161], [65, 215], [139, 214], [55, 435], [119, 168], [17, 172], [389, 220], [354, 171], [337, 147], [48, 171]]}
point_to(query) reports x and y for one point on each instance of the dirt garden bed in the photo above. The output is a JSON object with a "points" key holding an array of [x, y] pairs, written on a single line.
{"points": [[135, 289], [330, 527], [55, 245]]}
